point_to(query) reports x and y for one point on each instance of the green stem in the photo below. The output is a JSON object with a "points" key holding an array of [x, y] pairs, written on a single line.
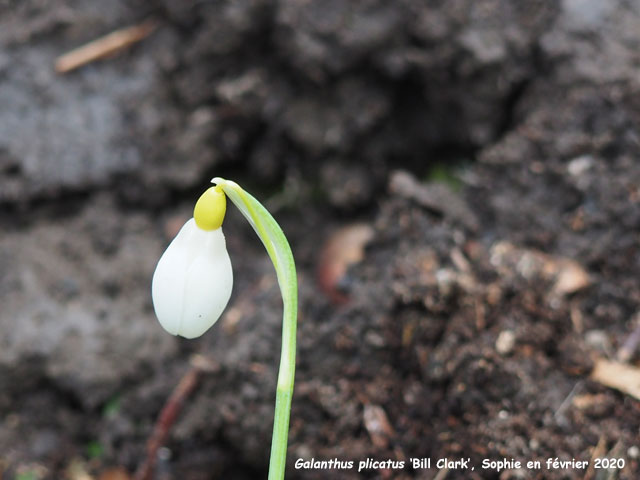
{"points": [[279, 251]]}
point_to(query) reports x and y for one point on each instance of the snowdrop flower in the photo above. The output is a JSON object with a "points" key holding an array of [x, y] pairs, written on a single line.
{"points": [[192, 285], [192, 282]]}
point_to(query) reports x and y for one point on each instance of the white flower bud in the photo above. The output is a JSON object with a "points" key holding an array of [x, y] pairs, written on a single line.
{"points": [[192, 283]]}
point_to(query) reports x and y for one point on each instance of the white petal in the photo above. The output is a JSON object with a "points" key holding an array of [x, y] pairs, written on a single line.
{"points": [[192, 282], [169, 280], [209, 283]]}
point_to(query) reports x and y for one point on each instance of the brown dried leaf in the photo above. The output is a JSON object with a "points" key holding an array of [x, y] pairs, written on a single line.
{"points": [[344, 248], [115, 474], [620, 376]]}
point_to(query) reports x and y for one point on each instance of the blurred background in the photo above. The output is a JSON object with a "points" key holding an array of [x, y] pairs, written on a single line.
{"points": [[460, 185]]}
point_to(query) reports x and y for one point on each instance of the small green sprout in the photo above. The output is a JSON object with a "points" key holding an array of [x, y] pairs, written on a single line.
{"points": [[112, 407], [94, 449], [28, 475], [192, 284]]}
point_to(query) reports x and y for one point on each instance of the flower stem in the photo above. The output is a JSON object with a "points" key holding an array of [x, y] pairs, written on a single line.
{"points": [[279, 251]]}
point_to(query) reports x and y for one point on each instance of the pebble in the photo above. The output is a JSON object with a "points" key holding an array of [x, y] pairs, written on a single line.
{"points": [[598, 340], [505, 342], [580, 165]]}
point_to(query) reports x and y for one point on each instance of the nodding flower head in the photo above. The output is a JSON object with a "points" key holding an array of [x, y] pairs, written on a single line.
{"points": [[192, 282]]}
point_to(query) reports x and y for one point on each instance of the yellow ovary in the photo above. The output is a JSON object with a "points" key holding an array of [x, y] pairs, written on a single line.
{"points": [[210, 209]]}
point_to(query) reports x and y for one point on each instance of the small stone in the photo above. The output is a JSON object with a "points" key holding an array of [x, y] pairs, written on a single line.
{"points": [[377, 424], [571, 278], [374, 339], [598, 340], [164, 453], [505, 342], [580, 165]]}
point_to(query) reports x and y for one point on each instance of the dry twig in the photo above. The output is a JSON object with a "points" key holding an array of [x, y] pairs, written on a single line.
{"points": [[104, 46], [166, 419]]}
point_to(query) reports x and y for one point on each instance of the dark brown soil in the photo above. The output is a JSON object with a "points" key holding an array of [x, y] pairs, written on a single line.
{"points": [[489, 149]]}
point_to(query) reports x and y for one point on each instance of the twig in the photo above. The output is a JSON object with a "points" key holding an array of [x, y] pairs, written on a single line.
{"points": [[599, 451], [166, 419], [105, 46]]}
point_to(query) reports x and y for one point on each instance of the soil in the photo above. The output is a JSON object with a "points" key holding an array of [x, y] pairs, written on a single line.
{"points": [[460, 185]]}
